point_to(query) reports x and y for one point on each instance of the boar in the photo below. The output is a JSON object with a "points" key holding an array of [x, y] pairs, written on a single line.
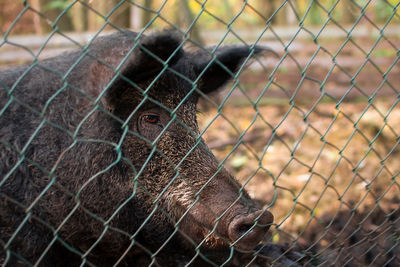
{"points": [[102, 161]]}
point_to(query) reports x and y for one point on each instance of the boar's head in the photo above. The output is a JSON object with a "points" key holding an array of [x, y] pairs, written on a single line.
{"points": [[179, 181]]}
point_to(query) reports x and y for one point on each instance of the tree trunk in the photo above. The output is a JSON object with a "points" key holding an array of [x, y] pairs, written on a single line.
{"points": [[147, 15], [185, 19], [267, 8], [120, 16], [44, 23], [96, 16], [348, 17], [281, 16], [135, 18], [80, 16], [35, 4]]}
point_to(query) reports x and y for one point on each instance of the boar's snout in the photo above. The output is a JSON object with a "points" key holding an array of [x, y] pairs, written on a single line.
{"points": [[247, 230]]}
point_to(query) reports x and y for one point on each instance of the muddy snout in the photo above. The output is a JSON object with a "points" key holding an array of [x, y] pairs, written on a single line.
{"points": [[247, 230]]}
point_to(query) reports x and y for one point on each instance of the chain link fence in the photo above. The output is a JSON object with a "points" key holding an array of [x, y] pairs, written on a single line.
{"points": [[103, 162]]}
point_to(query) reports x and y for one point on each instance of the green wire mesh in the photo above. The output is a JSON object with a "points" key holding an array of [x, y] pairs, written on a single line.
{"points": [[311, 133]]}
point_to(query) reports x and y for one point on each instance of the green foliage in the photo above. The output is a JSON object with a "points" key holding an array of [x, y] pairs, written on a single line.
{"points": [[56, 5], [383, 10]]}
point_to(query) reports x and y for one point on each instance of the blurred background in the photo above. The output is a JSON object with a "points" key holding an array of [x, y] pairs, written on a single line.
{"points": [[312, 133], [206, 22], [90, 15]]}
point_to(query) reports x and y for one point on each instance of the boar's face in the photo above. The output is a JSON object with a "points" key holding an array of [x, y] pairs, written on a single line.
{"points": [[179, 180]]}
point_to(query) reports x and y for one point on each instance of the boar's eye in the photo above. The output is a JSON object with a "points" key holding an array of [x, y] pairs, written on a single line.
{"points": [[150, 124], [152, 119], [148, 120]]}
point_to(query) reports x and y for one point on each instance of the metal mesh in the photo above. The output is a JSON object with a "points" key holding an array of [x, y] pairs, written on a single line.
{"points": [[311, 132]]}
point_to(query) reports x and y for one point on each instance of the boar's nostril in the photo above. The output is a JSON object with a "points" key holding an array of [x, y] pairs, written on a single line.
{"points": [[244, 228], [247, 230]]}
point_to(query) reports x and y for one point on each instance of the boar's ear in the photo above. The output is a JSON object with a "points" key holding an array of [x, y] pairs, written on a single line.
{"points": [[154, 50], [226, 62], [145, 62]]}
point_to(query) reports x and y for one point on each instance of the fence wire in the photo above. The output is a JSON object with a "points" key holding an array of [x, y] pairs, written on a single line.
{"points": [[103, 162]]}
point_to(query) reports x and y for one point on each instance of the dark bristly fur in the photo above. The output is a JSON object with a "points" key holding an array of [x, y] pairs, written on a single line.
{"points": [[77, 185]]}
